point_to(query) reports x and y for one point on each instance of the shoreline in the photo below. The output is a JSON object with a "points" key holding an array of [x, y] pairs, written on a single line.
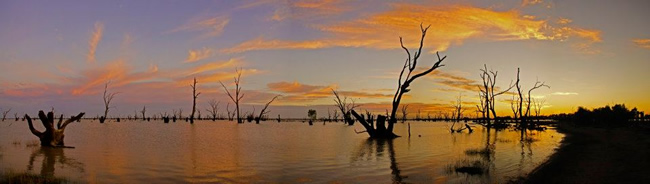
{"points": [[596, 155]]}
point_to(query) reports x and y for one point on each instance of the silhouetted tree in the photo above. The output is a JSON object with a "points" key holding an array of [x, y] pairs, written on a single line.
{"points": [[108, 97], [487, 93], [51, 137], [264, 111], [523, 116], [345, 107], [312, 116], [403, 85], [143, 111], [194, 96], [404, 112], [214, 109], [238, 95], [4, 114]]}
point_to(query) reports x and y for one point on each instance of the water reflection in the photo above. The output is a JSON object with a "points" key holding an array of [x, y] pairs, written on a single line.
{"points": [[374, 149], [52, 157]]}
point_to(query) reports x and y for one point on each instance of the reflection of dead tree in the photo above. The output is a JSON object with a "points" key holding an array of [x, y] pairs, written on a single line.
{"points": [[214, 109], [108, 97], [264, 112], [373, 149], [51, 137], [487, 93], [404, 112], [238, 95], [4, 114], [403, 83], [345, 107], [50, 157], [194, 96]]}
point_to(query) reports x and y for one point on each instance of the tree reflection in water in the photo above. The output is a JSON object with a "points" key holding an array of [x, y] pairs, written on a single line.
{"points": [[52, 156], [375, 149]]}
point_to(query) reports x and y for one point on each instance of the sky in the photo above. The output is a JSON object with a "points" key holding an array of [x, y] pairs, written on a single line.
{"points": [[61, 54]]}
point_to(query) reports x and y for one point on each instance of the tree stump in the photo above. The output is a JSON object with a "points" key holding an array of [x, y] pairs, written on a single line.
{"points": [[51, 137]]}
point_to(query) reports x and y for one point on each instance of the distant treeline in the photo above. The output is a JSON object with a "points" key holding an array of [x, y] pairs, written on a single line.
{"points": [[617, 115]]}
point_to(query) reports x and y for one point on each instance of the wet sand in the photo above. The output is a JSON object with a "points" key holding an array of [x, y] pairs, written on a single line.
{"points": [[597, 155]]}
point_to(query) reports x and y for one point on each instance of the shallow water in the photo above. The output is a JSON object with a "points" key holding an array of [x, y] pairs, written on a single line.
{"points": [[287, 152]]}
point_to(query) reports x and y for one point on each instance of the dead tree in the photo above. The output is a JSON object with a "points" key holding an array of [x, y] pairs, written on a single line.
{"points": [[108, 97], [264, 112], [458, 108], [403, 84], [194, 96], [345, 107], [4, 114], [488, 94], [538, 105], [214, 109], [537, 85], [404, 112], [238, 95], [51, 137], [523, 116], [514, 106], [143, 111]]}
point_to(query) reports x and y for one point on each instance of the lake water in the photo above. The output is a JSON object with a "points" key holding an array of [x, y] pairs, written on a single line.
{"points": [[271, 152]]}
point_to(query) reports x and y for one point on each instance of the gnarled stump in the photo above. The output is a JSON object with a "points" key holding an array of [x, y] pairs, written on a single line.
{"points": [[380, 132], [51, 137]]}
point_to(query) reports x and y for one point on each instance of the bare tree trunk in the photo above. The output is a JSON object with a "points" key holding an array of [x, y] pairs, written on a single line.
{"points": [[263, 112], [403, 85], [51, 137], [238, 95], [108, 97], [194, 96]]}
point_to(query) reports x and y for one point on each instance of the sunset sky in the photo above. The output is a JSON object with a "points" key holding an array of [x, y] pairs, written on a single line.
{"points": [[61, 53]]}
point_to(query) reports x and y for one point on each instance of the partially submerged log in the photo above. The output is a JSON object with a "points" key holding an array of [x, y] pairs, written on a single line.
{"points": [[51, 137]]}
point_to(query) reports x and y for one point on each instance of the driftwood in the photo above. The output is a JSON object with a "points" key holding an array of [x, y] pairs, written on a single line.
{"points": [[51, 137]]}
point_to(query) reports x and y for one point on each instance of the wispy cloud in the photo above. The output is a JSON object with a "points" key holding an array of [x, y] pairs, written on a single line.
{"points": [[210, 27], [199, 54], [295, 92], [308, 9], [531, 2], [452, 24], [564, 93], [95, 37], [643, 43]]}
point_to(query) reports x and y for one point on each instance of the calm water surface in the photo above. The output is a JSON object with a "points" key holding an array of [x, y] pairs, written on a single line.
{"points": [[287, 152]]}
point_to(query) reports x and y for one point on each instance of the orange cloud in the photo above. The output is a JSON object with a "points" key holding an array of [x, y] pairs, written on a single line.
{"points": [[452, 24], [215, 65], [94, 41], [292, 87], [530, 2], [308, 9], [643, 43], [117, 72], [294, 92], [211, 27], [195, 55]]}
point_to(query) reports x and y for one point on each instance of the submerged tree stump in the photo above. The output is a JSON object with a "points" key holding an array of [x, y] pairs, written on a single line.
{"points": [[51, 137]]}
